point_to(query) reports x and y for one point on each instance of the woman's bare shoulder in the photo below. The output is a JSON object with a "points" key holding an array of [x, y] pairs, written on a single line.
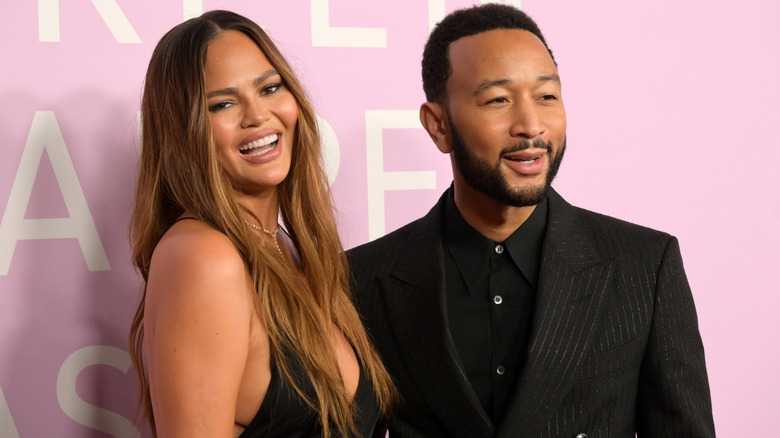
{"points": [[200, 266], [195, 242], [199, 313]]}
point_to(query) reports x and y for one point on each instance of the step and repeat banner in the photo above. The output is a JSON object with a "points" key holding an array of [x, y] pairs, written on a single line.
{"points": [[672, 108]]}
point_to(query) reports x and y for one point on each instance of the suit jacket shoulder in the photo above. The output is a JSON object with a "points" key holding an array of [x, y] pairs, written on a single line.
{"points": [[586, 235], [382, 255]]}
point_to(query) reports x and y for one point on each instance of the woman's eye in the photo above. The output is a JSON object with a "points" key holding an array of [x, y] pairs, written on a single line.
{"points": [[271, 89], [219, 106]]}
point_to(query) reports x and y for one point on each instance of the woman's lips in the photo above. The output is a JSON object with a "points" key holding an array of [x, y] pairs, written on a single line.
{"points": [[260, 146]]}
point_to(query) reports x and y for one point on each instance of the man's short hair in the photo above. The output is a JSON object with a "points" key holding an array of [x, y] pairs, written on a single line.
{"points": [[436, 67]]}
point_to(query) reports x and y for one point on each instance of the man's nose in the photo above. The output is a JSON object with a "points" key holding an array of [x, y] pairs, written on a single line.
{"points": [[527, 120]]}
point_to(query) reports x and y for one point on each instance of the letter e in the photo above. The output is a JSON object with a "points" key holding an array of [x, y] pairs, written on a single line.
{"points": [[323, 35], [378, 179]]}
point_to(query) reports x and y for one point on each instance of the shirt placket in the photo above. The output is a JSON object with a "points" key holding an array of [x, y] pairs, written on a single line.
{"points": [[496, 298]]}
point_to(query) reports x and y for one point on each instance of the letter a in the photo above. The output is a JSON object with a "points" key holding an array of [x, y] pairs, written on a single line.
{"points": [[45, 134], [7, 426]]}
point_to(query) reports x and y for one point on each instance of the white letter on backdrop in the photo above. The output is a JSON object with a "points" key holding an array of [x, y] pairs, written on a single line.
{"points": [[49, 21], [322, 35], [192, 8], [331, 152], [82, 412], [45, 134], [437, 11], [7, 426], [378, 180]]}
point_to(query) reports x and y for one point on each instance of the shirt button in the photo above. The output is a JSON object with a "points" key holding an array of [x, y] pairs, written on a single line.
{"points": [[499, 249], [497, 299], [500, 370]]}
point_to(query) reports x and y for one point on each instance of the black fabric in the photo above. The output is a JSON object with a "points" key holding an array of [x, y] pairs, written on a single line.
{"points": [[615, 349], [490, 288], [284, 413]]}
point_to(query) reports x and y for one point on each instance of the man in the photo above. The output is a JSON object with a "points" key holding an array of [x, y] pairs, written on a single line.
{"points": [[505, 311]]}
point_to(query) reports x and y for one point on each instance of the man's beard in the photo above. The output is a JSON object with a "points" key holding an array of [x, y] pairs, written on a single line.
{"points": [[489, 179]]}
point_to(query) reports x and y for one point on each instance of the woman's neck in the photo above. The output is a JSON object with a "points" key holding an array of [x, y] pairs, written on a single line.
{"points": [[264, 205]]}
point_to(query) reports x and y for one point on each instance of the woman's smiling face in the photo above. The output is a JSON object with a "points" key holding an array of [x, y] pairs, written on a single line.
{"points": [[252, 113]]}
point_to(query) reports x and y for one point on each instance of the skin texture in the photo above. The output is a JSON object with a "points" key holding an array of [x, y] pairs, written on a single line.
{"points": [[504, 91], [208, 349]]}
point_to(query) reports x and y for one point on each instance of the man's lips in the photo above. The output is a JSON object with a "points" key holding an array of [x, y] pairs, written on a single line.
{"points": [[526, 156], [526, 162], [260, 146]]}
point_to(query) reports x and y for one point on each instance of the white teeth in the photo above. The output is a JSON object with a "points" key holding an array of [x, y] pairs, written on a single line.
{"points": [[517, 159], [260, 143], [260, 152], [527, 161]]}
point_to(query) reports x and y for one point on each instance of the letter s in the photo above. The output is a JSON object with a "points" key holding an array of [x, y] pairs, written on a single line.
{"points": [[83, 412]]}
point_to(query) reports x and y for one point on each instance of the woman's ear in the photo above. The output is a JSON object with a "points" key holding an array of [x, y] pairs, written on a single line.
{"points": [[433, 117]]}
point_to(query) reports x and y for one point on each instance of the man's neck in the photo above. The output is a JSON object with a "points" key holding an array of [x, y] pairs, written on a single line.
{"points": [[490, 217]]}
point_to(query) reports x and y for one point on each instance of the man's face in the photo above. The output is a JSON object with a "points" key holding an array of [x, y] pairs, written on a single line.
{"points": [[505, 114]]}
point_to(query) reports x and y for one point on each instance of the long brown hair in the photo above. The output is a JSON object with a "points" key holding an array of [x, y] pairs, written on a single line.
{"points": [[300, 309]]}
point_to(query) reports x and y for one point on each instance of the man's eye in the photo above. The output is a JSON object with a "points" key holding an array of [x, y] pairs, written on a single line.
{"points": [[498, 100]]}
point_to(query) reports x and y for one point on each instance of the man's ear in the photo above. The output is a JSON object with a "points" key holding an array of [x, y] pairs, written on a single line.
{"points": [[433, 117]]}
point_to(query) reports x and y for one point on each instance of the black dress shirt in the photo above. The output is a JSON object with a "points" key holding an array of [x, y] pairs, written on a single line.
{"points": [[490, 291]]}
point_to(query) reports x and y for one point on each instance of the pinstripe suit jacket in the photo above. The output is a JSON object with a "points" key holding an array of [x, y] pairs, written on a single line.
{"points": [[614, 349]]}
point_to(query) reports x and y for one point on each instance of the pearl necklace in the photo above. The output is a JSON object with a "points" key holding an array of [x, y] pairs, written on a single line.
{"points": [[270, 233]]}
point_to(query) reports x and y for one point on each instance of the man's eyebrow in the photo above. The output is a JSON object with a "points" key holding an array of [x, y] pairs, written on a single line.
{"points": [[484, 85], [231, 91], [549, 78]]}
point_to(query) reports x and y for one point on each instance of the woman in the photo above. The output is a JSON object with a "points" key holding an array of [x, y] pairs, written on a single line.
{"points": [[247, 328]]}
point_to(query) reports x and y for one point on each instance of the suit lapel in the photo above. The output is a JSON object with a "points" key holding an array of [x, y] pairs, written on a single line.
{"points": [[414, 299], [573, 280]]}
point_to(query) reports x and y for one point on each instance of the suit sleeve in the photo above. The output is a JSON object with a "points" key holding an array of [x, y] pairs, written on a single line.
{"points": [[674, 395]]}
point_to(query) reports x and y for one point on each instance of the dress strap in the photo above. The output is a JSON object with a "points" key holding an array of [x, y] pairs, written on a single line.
{"points": [[185, 217]]}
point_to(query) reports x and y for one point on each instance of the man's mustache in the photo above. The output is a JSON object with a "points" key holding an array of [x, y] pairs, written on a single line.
{"points": [[536, 143]]}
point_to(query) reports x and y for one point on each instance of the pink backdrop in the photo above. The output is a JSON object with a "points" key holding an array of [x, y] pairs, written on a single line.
{"points": [[670, 107]]}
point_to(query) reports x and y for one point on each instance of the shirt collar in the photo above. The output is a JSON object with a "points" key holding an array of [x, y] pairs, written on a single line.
{"points": [[525, 244], [471, 249]]}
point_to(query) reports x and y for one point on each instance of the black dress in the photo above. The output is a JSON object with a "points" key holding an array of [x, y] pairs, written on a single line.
{"points": [[284, 414]]}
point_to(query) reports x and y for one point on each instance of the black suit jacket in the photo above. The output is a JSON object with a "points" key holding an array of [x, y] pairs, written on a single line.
{"points": [[614, 349]]}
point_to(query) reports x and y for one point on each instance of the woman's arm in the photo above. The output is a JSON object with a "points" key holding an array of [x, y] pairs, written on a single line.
{"points": [[197, 326]]}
